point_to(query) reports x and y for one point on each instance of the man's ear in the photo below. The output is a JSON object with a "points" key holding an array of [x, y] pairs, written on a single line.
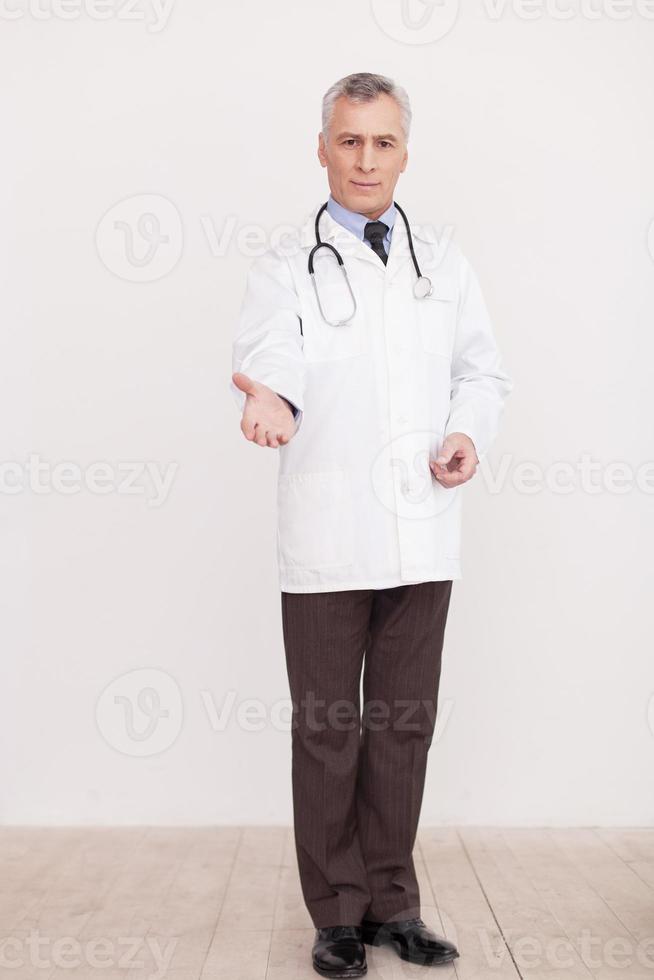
{"points": [[321, 150], [405, 160]]}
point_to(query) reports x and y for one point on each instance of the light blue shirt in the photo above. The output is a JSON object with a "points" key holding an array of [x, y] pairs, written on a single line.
{"points": [[356, 222]]}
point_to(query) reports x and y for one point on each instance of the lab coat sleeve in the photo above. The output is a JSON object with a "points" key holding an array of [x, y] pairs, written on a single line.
{"points": [[293, 408], [479, 383], [267, 342]]}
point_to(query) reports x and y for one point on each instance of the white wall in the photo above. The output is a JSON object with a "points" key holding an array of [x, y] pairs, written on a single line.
{"points": [[533, 141]]}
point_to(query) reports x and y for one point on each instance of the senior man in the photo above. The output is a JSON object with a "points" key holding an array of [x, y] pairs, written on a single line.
{"points": [[365, 353]]}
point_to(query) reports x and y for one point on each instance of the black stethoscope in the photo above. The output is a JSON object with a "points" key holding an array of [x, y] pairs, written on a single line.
{"points": [[421, 288]]}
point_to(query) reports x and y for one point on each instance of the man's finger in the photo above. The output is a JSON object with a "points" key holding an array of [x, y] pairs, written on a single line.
{"points": [[460, 459], [448, 450], [451, 467], [247, 427], [246, 384], [450, 479], [260, 434]]}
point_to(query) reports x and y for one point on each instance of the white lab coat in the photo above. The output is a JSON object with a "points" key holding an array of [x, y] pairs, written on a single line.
{"points": [[358, 507]]}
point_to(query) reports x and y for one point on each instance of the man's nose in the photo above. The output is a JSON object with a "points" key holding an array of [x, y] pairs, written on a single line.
{"points": [[367, 160]]}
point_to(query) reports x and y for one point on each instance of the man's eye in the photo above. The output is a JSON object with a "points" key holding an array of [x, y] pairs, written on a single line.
{"points": [[385, 143], [350, 142]]}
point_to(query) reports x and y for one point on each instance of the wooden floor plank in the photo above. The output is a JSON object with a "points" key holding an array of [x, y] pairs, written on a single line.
{"points": [[635, 847], [436, 918], [631, 844], [529, 928], [32, 860], [183, 926], [465, 916], [88, 862], [249, 902], [618, 885], [237, 955], [591, 926]]}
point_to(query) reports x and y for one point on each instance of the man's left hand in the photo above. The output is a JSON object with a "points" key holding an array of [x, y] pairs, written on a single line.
{"points": [[457, 461]]}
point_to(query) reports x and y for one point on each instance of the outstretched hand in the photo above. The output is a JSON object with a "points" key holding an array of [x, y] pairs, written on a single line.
{"points": [[267, 417]]}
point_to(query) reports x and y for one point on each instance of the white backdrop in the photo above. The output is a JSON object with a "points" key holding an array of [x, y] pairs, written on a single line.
{"points": [[143, 670]]}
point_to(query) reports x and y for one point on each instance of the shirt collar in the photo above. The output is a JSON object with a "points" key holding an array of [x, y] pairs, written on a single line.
{"points": [[356, 222]]}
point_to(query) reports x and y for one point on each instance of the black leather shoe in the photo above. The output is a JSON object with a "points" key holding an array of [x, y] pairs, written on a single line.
{"points": [[339, 952], [412, 939]]}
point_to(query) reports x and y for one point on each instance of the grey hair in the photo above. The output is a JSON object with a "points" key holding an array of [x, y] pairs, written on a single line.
{"points": [[365, 87]]}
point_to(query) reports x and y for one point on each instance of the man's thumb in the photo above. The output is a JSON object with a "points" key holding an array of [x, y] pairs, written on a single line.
{"points": [[244, 383], [447, 451]]}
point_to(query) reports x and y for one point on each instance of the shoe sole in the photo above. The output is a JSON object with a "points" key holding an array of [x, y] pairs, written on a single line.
{"points": [[358, 972], [383, 939]]}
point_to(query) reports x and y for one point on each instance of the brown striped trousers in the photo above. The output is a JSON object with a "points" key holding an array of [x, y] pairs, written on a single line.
{"points": [[358, 768]]}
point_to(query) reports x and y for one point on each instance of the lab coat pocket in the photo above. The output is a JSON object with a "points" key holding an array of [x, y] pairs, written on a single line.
{"points": [[314, 519], [438, 318]]}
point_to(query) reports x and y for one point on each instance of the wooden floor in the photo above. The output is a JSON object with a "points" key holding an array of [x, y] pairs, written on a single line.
{"points": [[184, 904]]}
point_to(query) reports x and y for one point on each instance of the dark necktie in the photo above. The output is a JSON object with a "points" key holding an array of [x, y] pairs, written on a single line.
{"points": [[375, 232]]}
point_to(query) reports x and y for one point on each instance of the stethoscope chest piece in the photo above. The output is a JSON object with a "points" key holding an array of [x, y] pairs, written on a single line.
{"points": [[422, 287]]}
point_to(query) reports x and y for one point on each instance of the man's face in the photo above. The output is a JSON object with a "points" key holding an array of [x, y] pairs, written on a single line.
{"points": [[364, 154]]}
